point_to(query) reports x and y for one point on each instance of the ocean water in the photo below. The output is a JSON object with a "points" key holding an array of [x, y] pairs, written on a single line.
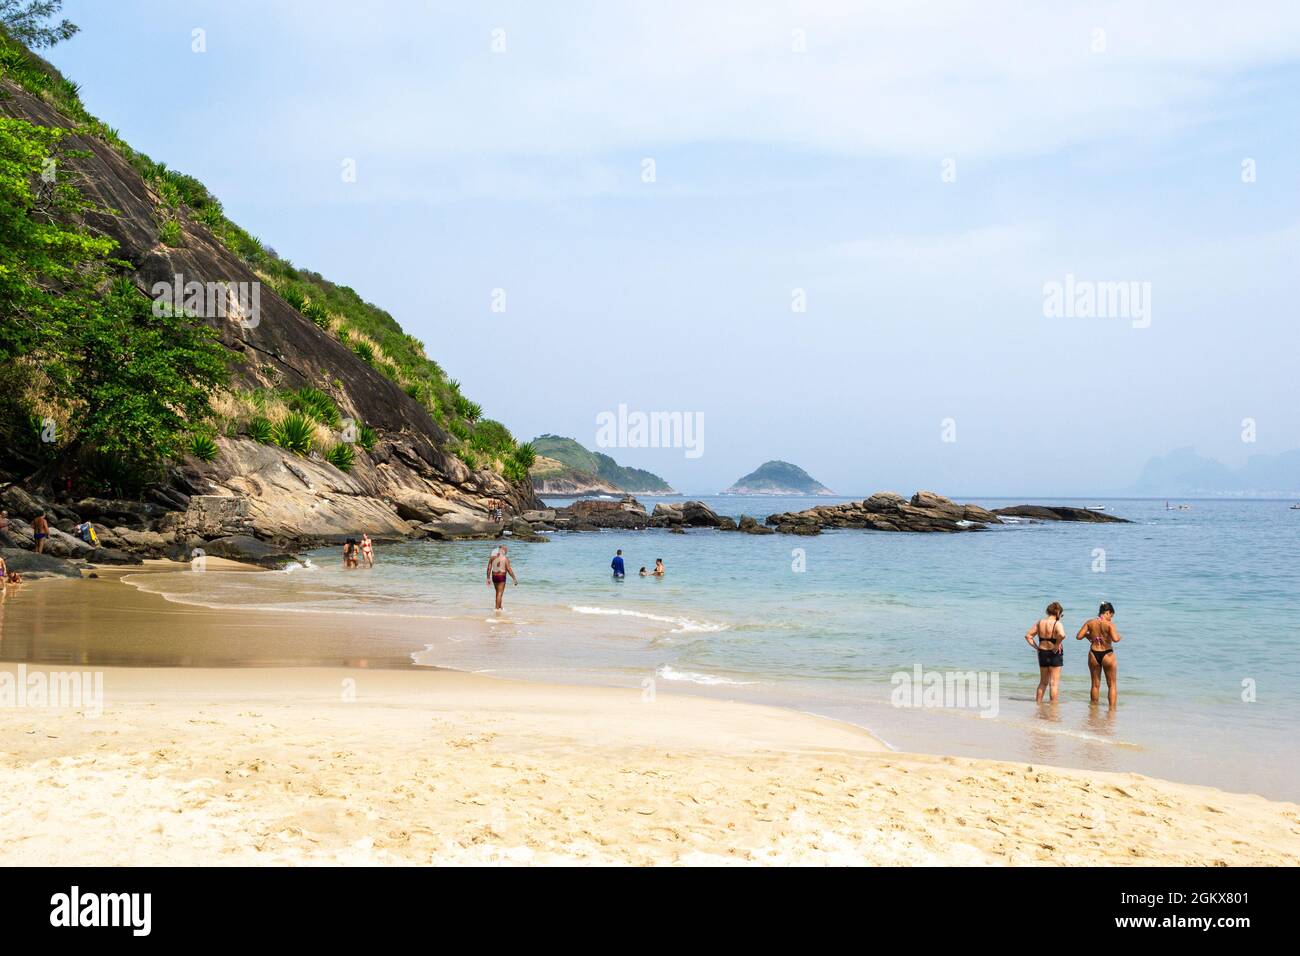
{"points": [[1206, 599]]}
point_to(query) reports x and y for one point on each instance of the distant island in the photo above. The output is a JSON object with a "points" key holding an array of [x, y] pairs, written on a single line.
{"points": [[1183, 472], [778, 478], [564, 467]]}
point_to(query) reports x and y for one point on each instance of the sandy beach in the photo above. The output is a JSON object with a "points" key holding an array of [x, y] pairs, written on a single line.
{"points": [[319, 765]]}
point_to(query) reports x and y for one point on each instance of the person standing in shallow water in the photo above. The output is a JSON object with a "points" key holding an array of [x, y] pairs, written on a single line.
{"points": [[1102, 638], [1046, 637], [498, 567], [617, 564]]}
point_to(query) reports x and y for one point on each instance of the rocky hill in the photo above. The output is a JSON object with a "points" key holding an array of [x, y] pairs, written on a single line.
{"points": [[778, 478], [566, 468], [388, 444]]}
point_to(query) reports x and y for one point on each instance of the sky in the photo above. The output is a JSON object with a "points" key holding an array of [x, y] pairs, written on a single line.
{"points": [[827, 231]]}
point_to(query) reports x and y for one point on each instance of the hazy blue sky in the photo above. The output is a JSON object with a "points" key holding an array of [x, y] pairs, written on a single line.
{"points": [[776, 169]]}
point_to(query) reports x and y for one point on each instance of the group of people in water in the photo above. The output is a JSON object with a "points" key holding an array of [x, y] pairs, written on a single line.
{"points": [[620, 570], [1047, 637], [355, 552]]}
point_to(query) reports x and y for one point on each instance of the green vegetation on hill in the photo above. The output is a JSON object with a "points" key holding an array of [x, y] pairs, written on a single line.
{"points": [[91, 377], [778, 477], [372, 334], [569, 452]]}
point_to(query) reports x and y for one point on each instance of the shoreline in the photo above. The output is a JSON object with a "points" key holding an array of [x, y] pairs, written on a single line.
{"points": [[331, 765], [365, 764]]}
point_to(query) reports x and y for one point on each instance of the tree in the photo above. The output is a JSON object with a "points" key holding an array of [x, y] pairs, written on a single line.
{"points": [[26, 22], [132, 384], [138, 383]]}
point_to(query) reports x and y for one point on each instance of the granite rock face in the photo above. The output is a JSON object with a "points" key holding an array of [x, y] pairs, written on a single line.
{"points": [[411, 473]]}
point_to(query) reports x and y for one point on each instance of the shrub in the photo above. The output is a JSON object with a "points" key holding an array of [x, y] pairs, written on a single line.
{"points": [[261, 430], [295, 433], [514, 470], [202, 447], [364, 351], [469, 458], [341, 456], [367, 437], [459, 429]]}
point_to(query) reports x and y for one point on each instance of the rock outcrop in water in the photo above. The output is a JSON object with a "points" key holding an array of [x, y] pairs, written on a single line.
{"points": [[1059, 513], [887, 511], [924, 512]]}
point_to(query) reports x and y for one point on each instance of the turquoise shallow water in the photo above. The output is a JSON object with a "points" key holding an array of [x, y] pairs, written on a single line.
{"points": [[1206, 600]]}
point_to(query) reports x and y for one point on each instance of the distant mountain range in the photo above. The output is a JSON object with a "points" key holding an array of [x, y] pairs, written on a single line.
{"points": [[564, 467], [1185, 473], [778, 478]]}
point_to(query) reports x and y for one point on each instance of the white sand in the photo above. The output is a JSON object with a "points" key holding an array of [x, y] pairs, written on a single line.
{"points": [[274, 766]]}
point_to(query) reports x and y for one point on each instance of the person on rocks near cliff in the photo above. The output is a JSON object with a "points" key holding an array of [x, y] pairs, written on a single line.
{"points": [[40, 531], [367, 551], [498, 567]]}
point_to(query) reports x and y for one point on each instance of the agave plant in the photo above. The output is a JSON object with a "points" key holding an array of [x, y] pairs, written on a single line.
{"points": [[364, 351], [170, 233], [526, 455], [294, 296], [367, 437], [469, 458], [202, 447], [315, 404], [295, 433], [318, 314], [514, 470], [341, 456], [261, 430]]}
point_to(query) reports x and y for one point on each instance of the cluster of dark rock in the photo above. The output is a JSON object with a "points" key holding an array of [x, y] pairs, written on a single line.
{"points": [[883, 511]]}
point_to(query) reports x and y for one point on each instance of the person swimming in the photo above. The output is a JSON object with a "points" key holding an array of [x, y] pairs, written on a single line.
{"points": [[659, 568], [1046, 636], [1102, 638], [644, 572]]}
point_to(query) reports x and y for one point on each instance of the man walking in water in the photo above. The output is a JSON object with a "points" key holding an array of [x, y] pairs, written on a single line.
{"points": [[498, 567], [617, 563], [1102, 637]]}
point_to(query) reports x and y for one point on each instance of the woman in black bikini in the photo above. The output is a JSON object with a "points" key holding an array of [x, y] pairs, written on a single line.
{"points": [[1046, 637], [1102, 637]]}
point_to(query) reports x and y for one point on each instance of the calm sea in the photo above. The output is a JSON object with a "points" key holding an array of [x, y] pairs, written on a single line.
{"points": [[1209, 668]]}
